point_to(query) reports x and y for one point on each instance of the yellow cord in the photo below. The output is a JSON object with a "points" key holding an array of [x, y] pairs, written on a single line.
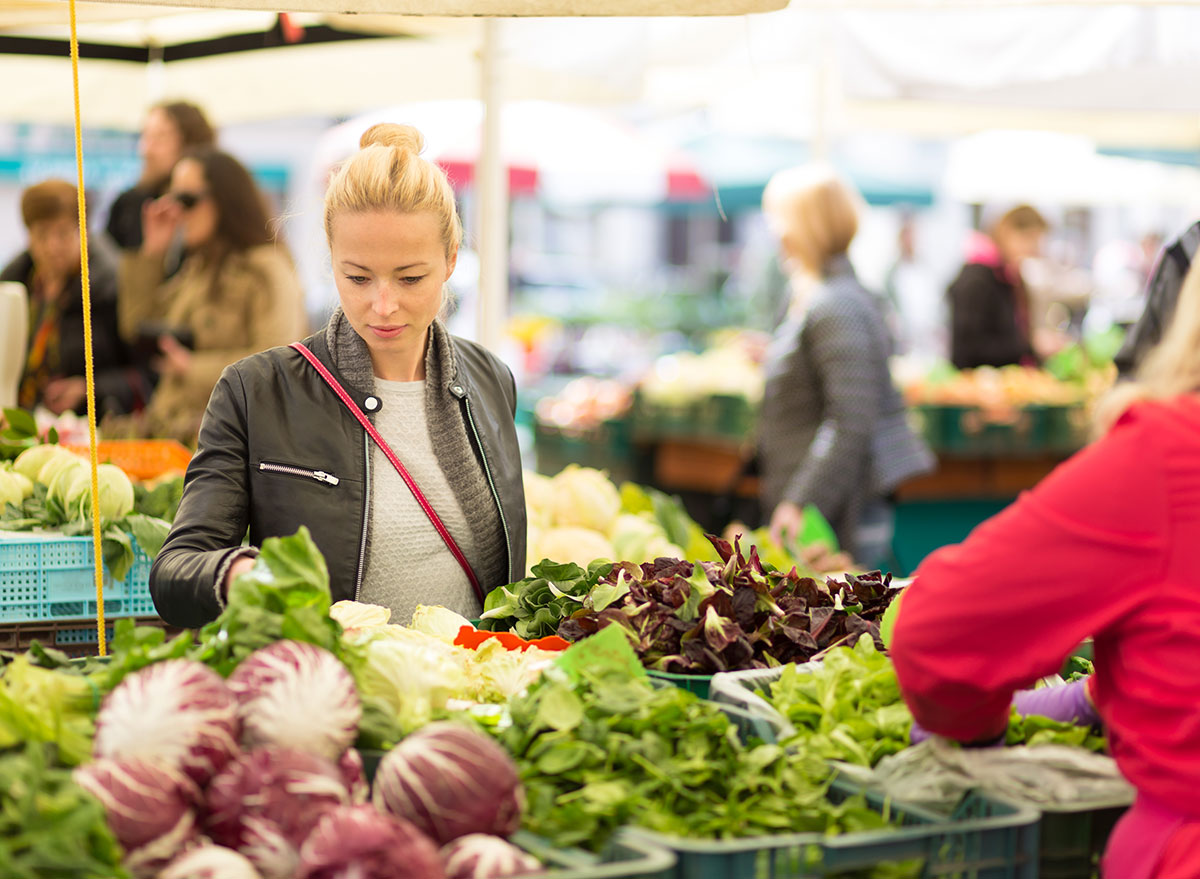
{"points": [[89, 370]]}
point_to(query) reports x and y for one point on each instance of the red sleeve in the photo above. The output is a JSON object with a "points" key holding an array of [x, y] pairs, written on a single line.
{"points": [[1066, 561]]}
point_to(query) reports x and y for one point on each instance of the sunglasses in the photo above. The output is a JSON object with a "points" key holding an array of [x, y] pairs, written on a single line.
{"points": [[188, 200]]}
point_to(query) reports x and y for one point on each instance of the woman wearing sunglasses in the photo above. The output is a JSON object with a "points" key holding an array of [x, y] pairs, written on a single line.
{"points": [[390, 439], [235, 293]]}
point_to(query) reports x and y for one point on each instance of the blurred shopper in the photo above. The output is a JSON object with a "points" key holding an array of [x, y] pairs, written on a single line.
{"points": [[235, 293], [419, 497], [915, 297], [833, 428], [53, 375], [990, 314], [1161, 295], [1103, 548], [169, 130]]}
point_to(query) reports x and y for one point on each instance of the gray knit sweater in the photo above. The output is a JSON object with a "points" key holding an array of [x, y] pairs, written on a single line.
{"points": [[451, 445]]}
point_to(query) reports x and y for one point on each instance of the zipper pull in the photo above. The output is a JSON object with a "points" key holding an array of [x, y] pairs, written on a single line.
{"points": [[326, 477], [458, 391]]}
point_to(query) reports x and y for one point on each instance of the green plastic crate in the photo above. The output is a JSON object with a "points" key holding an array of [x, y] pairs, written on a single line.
{"points": [[985, 839], [698, 684], [1073, 840]]}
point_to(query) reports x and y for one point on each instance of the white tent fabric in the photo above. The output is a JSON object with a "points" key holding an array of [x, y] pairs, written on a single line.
{"points": [[1045, 168], [497, 8], [1122, 58]]}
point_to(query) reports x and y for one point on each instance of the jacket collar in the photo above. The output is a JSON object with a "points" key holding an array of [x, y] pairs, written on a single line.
{"points": [[350, 355]]}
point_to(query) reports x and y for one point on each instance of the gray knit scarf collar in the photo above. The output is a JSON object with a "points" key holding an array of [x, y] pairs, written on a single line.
{"points": [[448, 432], [353, 359]]}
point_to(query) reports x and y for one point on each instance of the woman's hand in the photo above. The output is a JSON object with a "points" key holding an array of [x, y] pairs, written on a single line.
{"points": [[176, 359], [786, 522], [62, 394], [239, 567], [160, 219]]}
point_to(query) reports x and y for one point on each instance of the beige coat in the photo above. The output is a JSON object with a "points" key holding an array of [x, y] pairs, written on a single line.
{"points": [[257, 303]]}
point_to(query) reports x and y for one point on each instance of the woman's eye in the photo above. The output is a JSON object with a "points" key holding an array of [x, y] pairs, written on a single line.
{"points": [[357, 279], [413, 279]]}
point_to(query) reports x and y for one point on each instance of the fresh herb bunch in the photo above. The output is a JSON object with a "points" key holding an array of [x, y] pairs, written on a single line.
{"points": [[612, 749], [49, 827]]}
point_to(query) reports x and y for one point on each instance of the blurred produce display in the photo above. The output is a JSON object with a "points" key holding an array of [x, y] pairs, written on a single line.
{"points": [[580, 516], [584, 404], [1013, 410]]}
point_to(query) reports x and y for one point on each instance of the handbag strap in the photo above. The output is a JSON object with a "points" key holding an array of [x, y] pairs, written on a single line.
{"points": [[422, 501]]}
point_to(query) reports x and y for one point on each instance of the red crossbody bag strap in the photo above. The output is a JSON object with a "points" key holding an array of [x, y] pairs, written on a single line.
{"points": [[441, 529]]}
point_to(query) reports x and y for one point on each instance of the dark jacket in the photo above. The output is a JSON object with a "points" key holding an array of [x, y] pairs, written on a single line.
{"points": [[120, 387], [834, 430], [985, 329], [1161, 295], [125, 215], [274, 408]]}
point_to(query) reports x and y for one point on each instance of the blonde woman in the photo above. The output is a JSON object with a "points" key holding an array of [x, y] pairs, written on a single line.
{"points": [[833, 431], [392, 440], [1104, 547]]}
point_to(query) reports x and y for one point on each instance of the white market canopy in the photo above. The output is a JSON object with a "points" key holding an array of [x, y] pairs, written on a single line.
{"points": [[469, 8]]}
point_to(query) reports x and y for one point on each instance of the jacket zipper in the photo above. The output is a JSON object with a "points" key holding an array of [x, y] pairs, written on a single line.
{"points": [[318, 475], [487, 470], [366, 518]]}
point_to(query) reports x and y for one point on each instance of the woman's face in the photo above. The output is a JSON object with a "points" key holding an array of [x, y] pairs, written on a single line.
{"points": [[197, 210], [54, 246], [1018, 245], [160, 145], [389, 268]]}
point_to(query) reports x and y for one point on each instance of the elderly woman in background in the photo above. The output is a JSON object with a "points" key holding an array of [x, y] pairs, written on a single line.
{"points": [[833, 429], [53, 375], [235, 293]]}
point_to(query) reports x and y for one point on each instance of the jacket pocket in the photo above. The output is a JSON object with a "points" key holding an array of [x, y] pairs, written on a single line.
{"points": [[298, 472]]}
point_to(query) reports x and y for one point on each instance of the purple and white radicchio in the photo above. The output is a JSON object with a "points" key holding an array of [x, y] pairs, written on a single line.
{"points": [[450, 781], [149, 805], [479, 856], [360, 842], [296, 695], [179, 711], [266, 803]]}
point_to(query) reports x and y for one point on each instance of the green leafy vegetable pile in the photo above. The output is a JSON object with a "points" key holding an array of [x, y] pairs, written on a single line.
{"points": [[696, 618], [611, 749], [49, 827], [847, 707]]}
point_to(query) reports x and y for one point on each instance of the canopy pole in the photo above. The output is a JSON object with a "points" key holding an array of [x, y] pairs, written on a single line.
{"points": [[492, 197]]}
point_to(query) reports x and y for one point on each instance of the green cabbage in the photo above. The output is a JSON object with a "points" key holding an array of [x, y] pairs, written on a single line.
{"points": [[585, 498]]}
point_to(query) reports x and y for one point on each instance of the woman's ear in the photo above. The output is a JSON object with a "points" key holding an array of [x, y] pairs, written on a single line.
{"points": [[451, 262]]}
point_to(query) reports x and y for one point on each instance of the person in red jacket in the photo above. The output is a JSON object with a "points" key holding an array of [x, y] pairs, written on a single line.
{"points": [[1107, 546]]}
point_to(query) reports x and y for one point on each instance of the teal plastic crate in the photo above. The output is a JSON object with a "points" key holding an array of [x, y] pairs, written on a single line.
{"points": [[626, 857], [50, 577], [984, 839]]}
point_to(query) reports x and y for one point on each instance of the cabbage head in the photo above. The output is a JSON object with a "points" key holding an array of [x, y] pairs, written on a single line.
{"points": [[585, 498]]}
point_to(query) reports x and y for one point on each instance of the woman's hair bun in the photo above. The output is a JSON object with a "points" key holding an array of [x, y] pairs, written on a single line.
{"points": [[390, 134]]}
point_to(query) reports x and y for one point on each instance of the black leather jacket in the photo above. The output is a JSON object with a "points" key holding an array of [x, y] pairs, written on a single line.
{"points": [[274, 407]]}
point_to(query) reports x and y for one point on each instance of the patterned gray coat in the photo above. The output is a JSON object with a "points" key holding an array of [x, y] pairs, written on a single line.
{"points": [[834, 430]]}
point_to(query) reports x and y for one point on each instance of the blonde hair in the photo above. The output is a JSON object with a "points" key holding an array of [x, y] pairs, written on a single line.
{"points": [[813, 212], [388, 174], [1022, 218], [1171, 368]]}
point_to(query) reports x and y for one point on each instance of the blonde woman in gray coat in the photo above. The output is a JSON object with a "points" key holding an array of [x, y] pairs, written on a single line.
{"points": [[834, 431]]}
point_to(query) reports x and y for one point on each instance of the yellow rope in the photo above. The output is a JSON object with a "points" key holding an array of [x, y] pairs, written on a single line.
{"points": [[89, 370]]}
